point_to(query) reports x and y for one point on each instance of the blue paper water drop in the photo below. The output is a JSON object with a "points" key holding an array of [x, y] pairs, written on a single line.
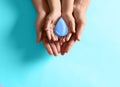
{"points": [[61, 28]]}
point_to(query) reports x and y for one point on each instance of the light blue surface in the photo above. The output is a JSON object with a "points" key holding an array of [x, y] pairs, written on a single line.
{"points": [[93, 62], [61, 28]]}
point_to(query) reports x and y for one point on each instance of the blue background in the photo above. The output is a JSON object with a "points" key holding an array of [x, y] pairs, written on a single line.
{"points": [[93, 62]]}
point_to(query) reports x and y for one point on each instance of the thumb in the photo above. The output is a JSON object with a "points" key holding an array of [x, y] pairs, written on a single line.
{"points": [[39, 27], [80, 23], [80, 28]]}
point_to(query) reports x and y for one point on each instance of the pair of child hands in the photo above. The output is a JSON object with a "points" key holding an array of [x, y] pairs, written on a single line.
{"points": [[49, 11]]}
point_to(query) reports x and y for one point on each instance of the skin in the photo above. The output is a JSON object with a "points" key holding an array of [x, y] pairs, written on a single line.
{"points": [[79, 11], [67, 10], [53, 48], [80, 8], [54, 15], [42, 9]]}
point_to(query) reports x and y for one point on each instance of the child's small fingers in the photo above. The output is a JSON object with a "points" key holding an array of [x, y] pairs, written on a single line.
{"points": [[61, 40], [68, 36], [70, 44], [48, 32], [53, 37], [39, 26]]}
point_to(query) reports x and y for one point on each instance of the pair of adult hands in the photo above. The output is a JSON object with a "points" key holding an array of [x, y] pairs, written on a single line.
{"points": [[49, 11]]}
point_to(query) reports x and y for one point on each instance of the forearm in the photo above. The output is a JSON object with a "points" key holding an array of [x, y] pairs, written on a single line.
{"points": [[54, 5], [67, 6], [40, 5], [81, 5]]}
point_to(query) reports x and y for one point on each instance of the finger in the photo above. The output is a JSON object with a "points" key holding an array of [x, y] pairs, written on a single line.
{"points": [[54, 49], [53, 37], [69, 21], [39, 26], [39, 36], [54, 5], [48, 28], [63, 48], [47, 46], [80, 23], [67, 10], [61, 40], [58, 46], [72, 24], [68, 45], [48, 33], [82, 5], [68, 36], [80, 28], [56, 37]]}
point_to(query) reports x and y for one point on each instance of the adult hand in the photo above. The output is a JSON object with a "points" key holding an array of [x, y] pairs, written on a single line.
{"points": [[68, 44], [79, 11], [52, 47], [42, 10], [80, 7]]}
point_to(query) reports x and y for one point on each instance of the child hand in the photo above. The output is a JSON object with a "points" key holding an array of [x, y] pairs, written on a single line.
{"points": [[52, 18], [67, 10]]}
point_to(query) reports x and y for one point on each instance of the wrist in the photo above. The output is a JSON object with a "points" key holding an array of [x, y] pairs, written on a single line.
{"points": [[56, 12]]}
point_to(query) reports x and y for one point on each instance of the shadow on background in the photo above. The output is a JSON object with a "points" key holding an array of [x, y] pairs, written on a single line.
{"points": [[23, 36]]}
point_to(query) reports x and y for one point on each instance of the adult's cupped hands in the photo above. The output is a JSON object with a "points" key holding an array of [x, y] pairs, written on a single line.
{"points": [[49, 11]]}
